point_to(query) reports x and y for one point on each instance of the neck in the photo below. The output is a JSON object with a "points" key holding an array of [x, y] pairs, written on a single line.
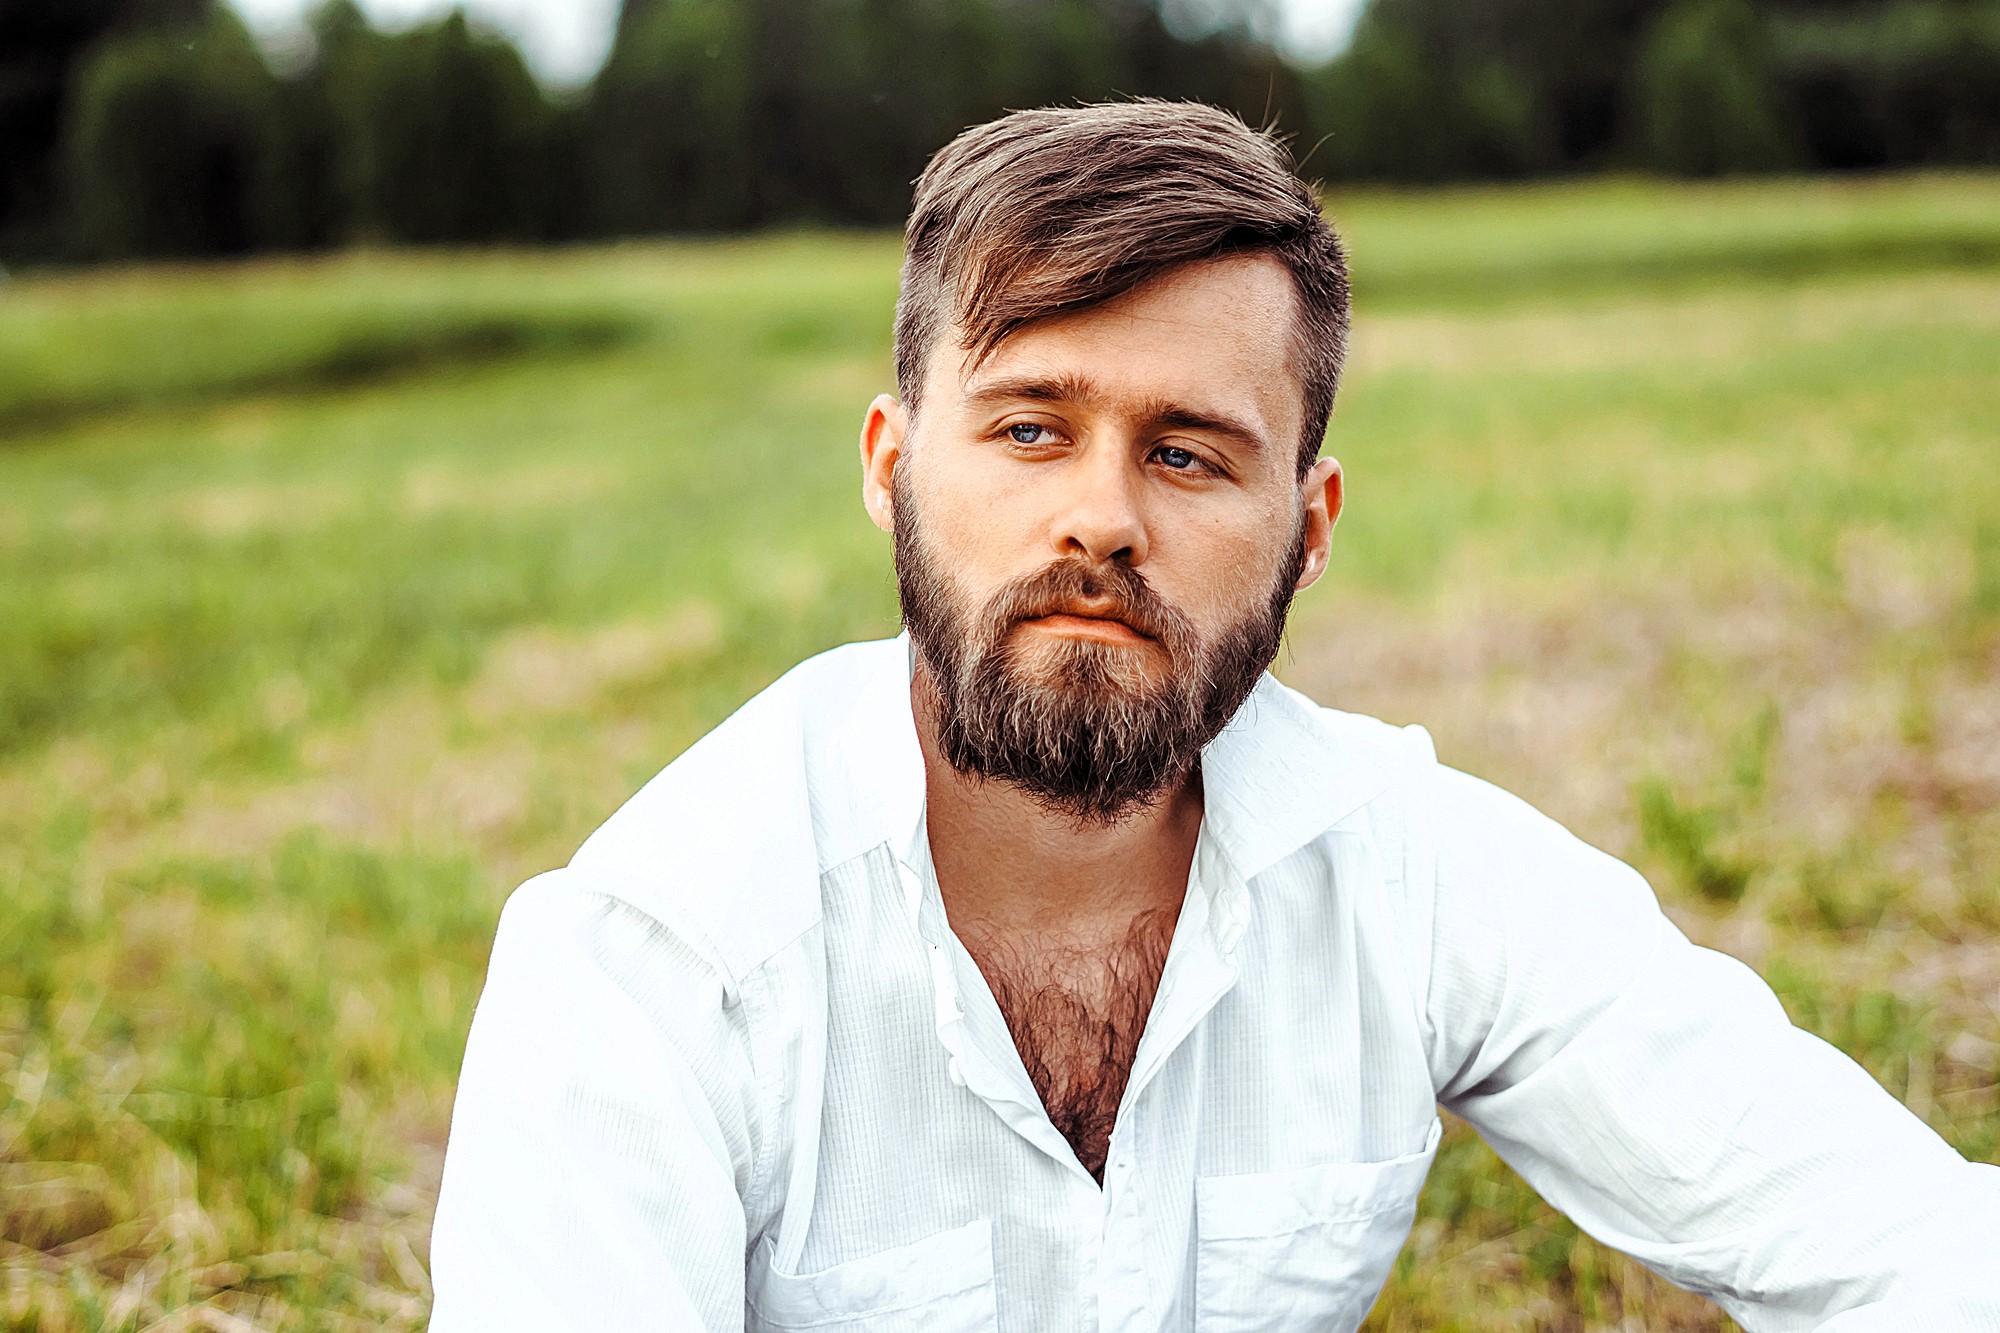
{"points": [[1009, 867]]}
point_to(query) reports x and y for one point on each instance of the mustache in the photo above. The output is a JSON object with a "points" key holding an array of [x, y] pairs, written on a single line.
{"points": [[1074, 586]]}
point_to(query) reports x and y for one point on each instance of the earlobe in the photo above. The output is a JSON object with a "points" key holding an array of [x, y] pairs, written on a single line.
{"points": [[883, 431]]}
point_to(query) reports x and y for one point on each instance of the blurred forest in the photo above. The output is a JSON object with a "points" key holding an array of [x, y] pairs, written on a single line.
{"points": [[134, 128]]}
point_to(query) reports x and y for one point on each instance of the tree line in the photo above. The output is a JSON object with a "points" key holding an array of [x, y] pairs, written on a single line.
{"points": [[133, 128]]}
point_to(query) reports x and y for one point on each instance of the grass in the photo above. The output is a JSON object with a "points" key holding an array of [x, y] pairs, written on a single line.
{"points": [[1479, 245], [1673, 510], [76, 347]]}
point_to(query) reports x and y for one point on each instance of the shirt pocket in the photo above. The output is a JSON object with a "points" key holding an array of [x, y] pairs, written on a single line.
{"points": [[940, 1284], [1302, 1249]]}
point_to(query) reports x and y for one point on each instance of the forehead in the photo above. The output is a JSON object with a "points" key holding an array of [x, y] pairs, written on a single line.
{"points": [[1219, 333]]}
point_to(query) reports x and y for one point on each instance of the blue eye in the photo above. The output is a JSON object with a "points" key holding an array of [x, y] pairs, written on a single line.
{"points": [[1177, 459], [1025, 432]]}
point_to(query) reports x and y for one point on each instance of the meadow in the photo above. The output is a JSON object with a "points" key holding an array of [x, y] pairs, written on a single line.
{"points": [[338, 596]]}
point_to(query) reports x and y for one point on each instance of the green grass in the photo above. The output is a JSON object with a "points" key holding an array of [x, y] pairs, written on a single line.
{"points": [[338, 597], [71, 348], [1476, 245]]}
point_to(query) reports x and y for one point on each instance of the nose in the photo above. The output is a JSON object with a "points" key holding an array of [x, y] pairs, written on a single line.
{"points": [[1102, 518]]}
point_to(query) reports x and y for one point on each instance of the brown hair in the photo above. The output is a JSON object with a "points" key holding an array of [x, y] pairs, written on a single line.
{"points": [[1049, 211]]}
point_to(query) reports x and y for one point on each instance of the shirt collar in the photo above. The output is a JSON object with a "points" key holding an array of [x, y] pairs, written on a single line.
{"points": [[1281, 774], [867, 765], [1277, 777]]}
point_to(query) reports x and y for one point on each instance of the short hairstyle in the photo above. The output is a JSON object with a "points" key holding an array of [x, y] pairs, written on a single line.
{"points": [[1050, 211]]}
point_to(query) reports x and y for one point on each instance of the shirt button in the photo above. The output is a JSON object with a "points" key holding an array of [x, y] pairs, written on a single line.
{"points": [[955, 1072]]}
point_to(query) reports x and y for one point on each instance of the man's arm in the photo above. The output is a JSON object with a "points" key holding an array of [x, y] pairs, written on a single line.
{"points": [[1657, 1094], [601, 1140]]}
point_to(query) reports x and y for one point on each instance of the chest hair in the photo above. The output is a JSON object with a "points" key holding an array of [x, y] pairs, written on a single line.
{"points": [[1076, 1016]]}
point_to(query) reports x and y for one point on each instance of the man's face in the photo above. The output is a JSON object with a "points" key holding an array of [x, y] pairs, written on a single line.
{"points": [[1099, 529]]}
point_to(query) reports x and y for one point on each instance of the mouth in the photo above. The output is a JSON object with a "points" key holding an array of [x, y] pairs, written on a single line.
{"points": [[1085, 625]]}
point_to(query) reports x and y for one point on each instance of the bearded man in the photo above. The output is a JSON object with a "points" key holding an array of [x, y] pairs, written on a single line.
{"points": [[1055, 968]]}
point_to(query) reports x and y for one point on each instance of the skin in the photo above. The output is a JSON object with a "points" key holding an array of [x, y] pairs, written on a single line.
{"points": [[1161, 430]]}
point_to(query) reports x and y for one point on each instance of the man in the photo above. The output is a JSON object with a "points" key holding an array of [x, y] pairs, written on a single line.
{"points": [[1055, 968]]}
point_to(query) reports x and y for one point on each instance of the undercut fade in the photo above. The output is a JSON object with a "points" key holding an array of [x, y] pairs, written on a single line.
{"points": [[1048, 212]]}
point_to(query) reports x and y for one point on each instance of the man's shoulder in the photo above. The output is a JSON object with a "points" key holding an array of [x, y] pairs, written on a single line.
{"points": [[719, 847], [1385, 782], [1395, 769], [1288, 771], [1449, 829], [1397, 748], [1419, 796]]}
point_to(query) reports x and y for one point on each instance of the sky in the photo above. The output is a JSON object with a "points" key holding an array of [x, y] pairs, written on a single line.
{"points": [[566, 40]]}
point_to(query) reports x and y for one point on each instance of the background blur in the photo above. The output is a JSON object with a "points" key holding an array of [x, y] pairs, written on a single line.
{"points": [[361, 547], [159, 127]]}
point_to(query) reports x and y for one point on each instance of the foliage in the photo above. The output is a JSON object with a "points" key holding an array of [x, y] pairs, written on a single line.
{"points": [[446, 133], [1914, 81], [1707, 94], [730, 115], [1451, 89], [709, 115], [1396, 113], [672, 120], [168, 152], [41, 45]]}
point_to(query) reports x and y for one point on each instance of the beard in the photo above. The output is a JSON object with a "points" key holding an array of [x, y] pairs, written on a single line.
{"points": [[1089, 730]]}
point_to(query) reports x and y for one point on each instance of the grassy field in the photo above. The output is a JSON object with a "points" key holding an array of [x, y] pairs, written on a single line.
{"points": [[338, 597]]}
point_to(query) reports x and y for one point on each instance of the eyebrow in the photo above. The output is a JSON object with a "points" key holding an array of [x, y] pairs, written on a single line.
{"points": [[1066, 387], [1069, 387]]}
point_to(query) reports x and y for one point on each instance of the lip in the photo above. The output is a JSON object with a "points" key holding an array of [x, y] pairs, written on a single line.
{"points": [[1081, 625]]}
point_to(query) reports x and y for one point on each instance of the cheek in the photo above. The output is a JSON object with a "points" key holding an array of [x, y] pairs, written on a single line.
{"points": [[980, 527], [1220, 563]]}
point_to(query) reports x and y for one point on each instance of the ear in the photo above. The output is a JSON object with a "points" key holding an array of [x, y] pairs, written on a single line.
{"points": [[1323, 496], [883, 432]]}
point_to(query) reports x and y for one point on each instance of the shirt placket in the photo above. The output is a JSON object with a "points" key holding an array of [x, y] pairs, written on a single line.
{"points": [[996, 1076], [1108, 1223], [1200, 969]]}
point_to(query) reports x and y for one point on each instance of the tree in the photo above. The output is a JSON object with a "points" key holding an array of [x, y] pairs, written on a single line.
{"points": [[1399, 107], [445, 133], [670, 120], [168, 149], [1911, 82], [728, 113], [1706, 97], [42, 45], [1446, 89]]}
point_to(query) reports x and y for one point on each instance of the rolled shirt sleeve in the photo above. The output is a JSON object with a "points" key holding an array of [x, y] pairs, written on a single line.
{"points": [[601, 1143], [1657, 1093]]}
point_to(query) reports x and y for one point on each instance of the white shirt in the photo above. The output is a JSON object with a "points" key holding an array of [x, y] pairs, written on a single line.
{"points": [[732, 1069]]}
